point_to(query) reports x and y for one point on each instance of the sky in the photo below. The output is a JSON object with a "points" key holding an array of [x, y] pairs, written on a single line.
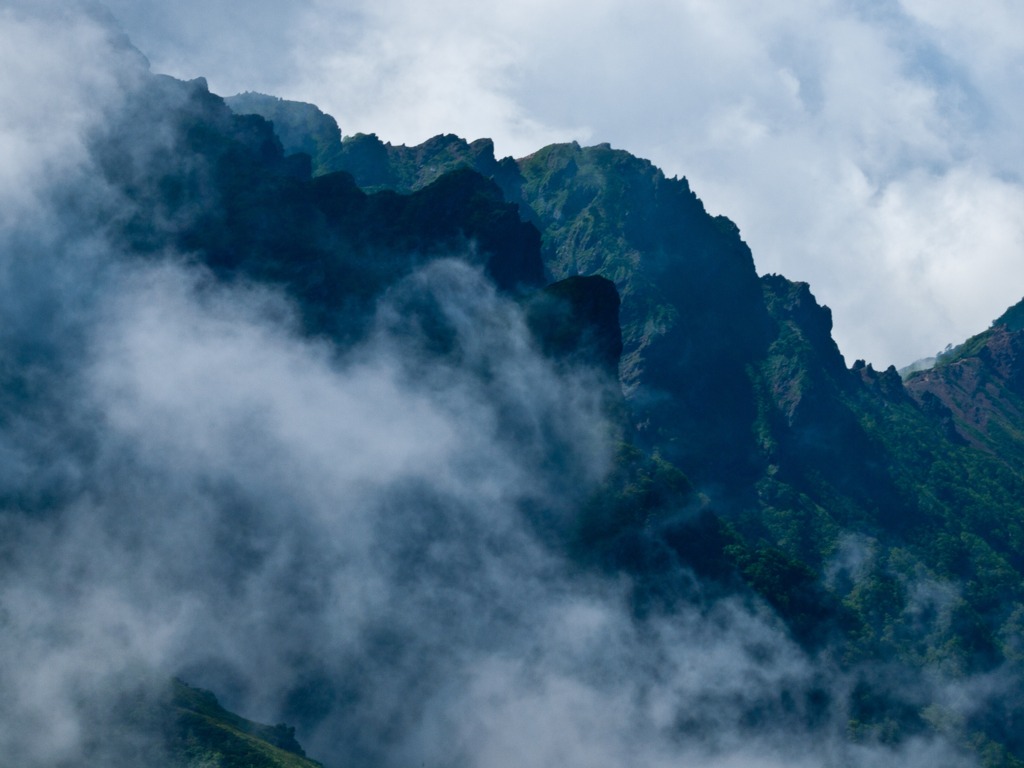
{"points": [[872, 148]]}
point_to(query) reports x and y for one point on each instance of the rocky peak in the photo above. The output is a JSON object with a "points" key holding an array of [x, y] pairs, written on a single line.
{"points": [[301, 127]]}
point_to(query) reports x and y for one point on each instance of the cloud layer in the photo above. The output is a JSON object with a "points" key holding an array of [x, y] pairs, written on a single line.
{"points": [[871, 150]]}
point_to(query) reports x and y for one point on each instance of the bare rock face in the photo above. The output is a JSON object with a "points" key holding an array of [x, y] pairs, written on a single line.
{"points": [[981, 385]]}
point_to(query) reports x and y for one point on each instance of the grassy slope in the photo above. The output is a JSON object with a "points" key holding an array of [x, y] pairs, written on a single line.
{"points": [[203, 733]]}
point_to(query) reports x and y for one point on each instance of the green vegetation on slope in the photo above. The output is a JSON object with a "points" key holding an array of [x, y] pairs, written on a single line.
{"points": [[201, 732]]}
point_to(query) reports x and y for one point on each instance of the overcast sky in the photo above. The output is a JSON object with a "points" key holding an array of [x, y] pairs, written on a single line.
{"points": [[872, 148]]}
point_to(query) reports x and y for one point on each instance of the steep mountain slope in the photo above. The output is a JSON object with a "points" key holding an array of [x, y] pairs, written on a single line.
{"points": [[853, 453], [692, 311], [443, 505], [869, 513], [981, 383]]}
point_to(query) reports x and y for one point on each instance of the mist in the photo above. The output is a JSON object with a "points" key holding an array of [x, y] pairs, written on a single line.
{"points": [[363, 540]]}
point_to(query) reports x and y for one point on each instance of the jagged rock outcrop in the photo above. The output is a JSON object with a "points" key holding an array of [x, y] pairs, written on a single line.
{"points": [[301, 127], [219, 186], [980, 385], [376, 165]]}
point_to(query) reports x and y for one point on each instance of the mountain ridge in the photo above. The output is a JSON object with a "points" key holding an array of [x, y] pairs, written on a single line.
{"points": [[736, 379], [432, 442]]}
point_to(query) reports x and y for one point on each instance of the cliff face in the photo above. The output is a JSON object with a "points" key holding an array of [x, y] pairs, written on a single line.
{"points": [[980, 388], [692, 310]]}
